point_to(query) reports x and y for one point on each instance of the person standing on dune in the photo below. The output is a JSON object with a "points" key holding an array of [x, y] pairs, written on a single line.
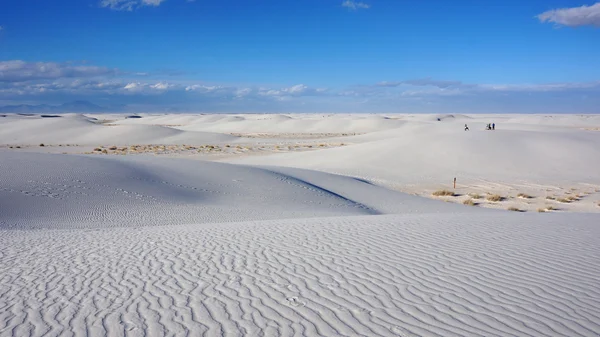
{"points": [[493, 126], [466, 127]]}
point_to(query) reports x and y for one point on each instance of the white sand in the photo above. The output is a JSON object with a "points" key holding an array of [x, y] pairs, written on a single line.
{"points": [[148, 245]]}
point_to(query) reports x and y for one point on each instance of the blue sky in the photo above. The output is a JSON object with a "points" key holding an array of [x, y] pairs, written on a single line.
{"points": [[538, 56]]}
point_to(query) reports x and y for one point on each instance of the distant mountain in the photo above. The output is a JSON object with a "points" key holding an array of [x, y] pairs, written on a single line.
{"points": [[76, 106]]}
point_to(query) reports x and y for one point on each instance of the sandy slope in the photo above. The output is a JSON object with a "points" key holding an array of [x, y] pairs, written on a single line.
{"points": [[494, 274], [64, 191]]}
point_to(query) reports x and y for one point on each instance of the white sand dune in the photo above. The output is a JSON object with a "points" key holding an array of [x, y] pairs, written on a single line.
{"points": [[78, 129], [426, 151], [66, 191], [144, 245], [271, 123]]}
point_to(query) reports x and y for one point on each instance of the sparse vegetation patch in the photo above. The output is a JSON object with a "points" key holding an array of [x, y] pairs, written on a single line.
{"points": [[469, 202], [495, 198], [443, 193]]}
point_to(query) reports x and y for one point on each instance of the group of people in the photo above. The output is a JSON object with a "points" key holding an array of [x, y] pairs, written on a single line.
{"points": [[490, 126]]}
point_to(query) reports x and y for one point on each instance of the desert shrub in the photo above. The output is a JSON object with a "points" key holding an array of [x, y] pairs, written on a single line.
{"points": [[42, 145], [443, 193], [546, 209], [564, 200], [475, 196], [550, 198], [514, 209], [495, 198], [97, 149], [524, 196], [469, 202]]}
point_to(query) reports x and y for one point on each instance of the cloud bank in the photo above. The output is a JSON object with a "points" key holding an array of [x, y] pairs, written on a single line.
{"points": [[573, 17], [17, 70], [56, 83]]}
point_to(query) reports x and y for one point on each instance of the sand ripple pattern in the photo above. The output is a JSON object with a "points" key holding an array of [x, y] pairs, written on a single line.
{"points": [[389, 275]]}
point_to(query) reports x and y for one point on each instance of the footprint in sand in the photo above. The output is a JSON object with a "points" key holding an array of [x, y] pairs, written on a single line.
{"points": [[295, 302]]}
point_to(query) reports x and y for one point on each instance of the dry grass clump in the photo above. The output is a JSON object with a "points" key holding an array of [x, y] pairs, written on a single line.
{"points": [[475, 196], [550, 198], [112, 148], [514, 209], [524, 196], [42, 145], [546, 209], [469, 202], [564, 200], [443, 193], [97, 149], [495, 198]]}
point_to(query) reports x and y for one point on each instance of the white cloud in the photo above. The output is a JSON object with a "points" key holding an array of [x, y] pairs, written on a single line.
{"points": [[293, 91], [16, 70], [573, 17], [149, 88], [411, 88], [128, 5], [354, 5], [422, 82]]}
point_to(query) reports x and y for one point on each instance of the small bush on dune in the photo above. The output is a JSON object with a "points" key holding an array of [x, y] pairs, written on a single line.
{"points": [[564, 200], [546, 209], [550, 198], [475, 196], [42, 145], [495, 198], [443, 193], [514, 209], [524, 196], [469, 202]]}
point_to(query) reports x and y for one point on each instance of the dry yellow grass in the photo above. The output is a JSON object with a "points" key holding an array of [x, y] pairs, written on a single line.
{"points": [[548, 208], [524, 196], [475, 196], [443, 193], [495, 198], [514, 209], [469, 202], [564, 200], [550, 198]]}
